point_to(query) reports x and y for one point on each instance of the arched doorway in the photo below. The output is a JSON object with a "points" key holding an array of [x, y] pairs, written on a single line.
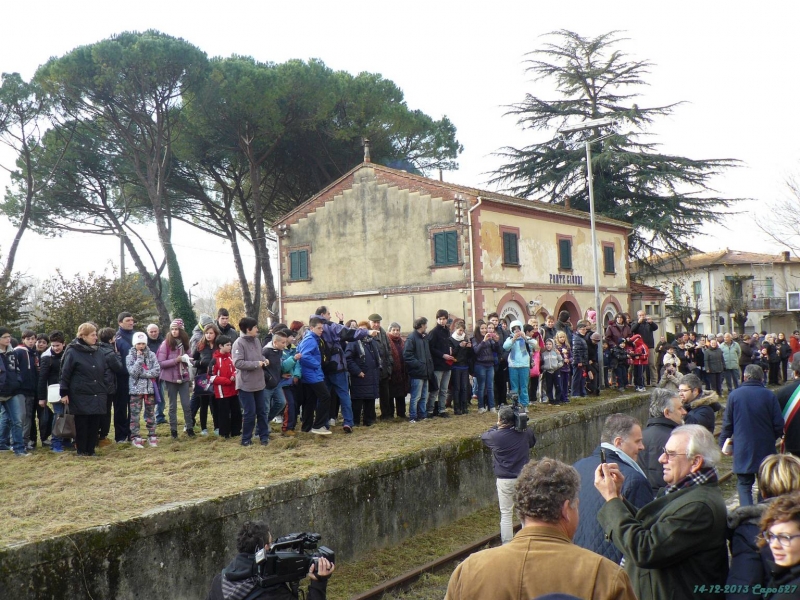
{"points": [[572, 308], [512, 310]]}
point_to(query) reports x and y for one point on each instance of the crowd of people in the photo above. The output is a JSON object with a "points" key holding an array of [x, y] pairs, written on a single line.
{"points": [[305, 375]]}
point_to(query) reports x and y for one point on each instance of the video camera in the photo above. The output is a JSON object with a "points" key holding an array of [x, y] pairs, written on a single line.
{"points": [[520, 416], [289, 559]]}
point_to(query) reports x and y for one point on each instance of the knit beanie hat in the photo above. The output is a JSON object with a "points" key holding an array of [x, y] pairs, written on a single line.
{"points": [[139, 338], [177, 323], [204, 320]]}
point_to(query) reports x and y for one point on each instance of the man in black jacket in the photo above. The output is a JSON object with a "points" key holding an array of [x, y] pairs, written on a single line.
{"points": [[666, 413], [49, 371], [239, 579], [419, 364], [645, 327], [441, 352], [12, 402], [511, 450]]}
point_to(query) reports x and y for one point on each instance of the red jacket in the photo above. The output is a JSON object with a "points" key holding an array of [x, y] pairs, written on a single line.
{"points": [[224, 374], [640, 350]]}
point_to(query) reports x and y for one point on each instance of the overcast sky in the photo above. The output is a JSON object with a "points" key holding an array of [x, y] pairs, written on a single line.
{"points": [[734, 64]]}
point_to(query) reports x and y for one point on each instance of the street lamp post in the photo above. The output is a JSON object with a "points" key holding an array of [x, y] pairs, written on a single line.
{"points": [[593, 124]]}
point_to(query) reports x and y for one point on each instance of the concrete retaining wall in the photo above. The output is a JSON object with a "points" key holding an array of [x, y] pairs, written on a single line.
{"points": [[175, 551]]}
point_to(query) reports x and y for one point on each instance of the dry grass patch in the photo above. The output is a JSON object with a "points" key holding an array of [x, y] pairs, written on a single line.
{"points": [[49, 494]]}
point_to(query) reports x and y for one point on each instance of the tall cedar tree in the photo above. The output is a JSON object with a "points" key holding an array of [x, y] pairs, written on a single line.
{"points": [[666, 198]]}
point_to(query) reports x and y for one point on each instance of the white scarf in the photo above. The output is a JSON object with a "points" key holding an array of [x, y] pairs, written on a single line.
{"points": [[457, 337]]}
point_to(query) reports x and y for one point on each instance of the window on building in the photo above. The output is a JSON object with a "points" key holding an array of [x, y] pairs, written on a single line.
{"points": [[510, 248], [737, 289], [298, 265], [565, 253], [676, 294], [697, 289], [698, 328], [608, 260], [445, 248], [770, 285]]}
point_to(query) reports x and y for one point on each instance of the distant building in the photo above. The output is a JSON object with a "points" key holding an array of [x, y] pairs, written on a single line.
{"points": [[386, 241], [730, 289]]}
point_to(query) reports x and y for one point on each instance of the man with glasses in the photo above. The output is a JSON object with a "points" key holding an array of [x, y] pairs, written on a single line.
{"points": [[674, 547], [753, 421]]}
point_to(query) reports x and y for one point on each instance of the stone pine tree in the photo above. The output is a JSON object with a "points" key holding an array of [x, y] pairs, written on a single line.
{"points": [[666, 198]]}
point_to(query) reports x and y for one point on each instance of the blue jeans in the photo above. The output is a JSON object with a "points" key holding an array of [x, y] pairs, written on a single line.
{"points": [[443, 381], [419, 395], [159, 394], [744, 487], [519, 377], [12, 411], [254, 409], [485, 376], [339, 385], [731, 379], [276, 402]]}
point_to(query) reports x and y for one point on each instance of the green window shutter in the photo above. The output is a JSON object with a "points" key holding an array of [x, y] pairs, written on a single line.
{"points": [[445, 248], [298, 265], [303, 260], [294, 266], [439, 249], [510, 249], [452, 247], [608, 258], [564, 254]]}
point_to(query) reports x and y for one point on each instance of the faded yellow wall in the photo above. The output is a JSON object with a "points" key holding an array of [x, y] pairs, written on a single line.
{"points": [[394, 308], [370, 237], [538, 251]]}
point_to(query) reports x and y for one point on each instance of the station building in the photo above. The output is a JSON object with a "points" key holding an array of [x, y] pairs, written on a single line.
{"points": [[381, 240]]}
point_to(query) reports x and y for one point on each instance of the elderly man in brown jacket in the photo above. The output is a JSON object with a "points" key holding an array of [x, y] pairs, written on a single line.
{"points": [[541, 559]]}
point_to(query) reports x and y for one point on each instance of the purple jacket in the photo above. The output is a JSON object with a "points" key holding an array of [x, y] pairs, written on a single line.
{"points": [[171, 368]]}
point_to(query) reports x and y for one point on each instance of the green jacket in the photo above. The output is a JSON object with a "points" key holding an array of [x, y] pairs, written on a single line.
{"points": [[731, 354], [674, 545]]}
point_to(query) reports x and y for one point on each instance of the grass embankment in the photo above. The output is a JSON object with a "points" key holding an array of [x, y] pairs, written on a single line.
{"points": [[50, 494]]}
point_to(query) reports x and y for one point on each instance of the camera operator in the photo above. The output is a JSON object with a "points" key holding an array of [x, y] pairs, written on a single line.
{"points": [[511, 450], [239, 579]]}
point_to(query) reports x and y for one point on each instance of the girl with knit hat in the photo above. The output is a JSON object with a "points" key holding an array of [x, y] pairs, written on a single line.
{"points": [[174, 361], [144, 370]]}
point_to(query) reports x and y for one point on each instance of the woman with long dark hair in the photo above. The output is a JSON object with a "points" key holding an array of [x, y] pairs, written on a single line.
{"points": [[174, 361], [203, 358], [83, 387]]}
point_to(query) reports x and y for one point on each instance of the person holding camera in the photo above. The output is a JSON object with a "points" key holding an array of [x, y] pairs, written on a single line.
{"points": [[240, 579], [511, 450]]}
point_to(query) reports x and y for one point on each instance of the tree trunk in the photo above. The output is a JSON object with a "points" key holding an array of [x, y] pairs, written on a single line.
{"points": [[260, 239], [152, 284], [26, 215]]}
